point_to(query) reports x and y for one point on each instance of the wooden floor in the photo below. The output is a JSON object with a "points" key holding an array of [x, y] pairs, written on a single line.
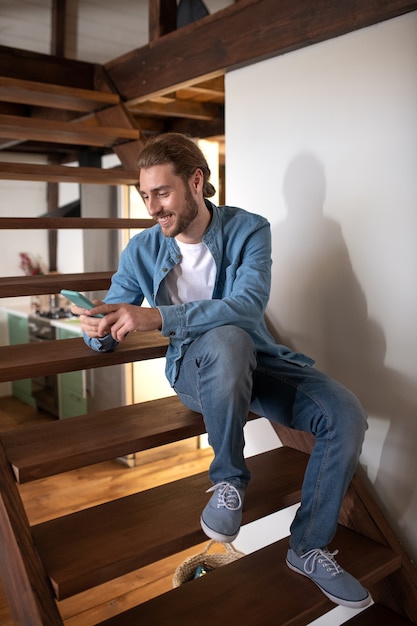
{"points": [[58, 495]]}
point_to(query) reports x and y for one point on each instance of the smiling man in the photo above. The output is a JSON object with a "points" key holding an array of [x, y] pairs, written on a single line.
{"points": [[205, 272]]}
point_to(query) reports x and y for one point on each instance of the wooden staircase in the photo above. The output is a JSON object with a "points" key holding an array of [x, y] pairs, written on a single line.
{"points": [[61, 557], [44, 563]]}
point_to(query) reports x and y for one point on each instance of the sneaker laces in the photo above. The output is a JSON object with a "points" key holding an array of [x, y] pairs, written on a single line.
{"points": [[227, 496], [325, 559]]}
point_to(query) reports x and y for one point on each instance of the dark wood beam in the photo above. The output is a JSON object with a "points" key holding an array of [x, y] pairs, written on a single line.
{"points": [[128, 152], [52, 205], [27, 65], [241, 34], [162, 18], [58, 27]]}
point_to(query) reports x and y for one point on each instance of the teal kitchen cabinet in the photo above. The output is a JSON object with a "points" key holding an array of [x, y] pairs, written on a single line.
{"points": [[71, 385], [19, 333]]}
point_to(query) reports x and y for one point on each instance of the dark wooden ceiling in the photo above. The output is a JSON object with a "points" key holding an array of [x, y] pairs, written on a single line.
{"points": [[62, 108]]}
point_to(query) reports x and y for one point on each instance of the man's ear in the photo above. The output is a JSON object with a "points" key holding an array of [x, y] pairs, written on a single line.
{"points": [[197, 180]]}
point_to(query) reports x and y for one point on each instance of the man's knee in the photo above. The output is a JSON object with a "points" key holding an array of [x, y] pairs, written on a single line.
{"points": [[230, 341]]}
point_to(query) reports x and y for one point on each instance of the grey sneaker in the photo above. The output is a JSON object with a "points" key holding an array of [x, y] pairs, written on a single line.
{"points": [[322, 568], [222, 515]]}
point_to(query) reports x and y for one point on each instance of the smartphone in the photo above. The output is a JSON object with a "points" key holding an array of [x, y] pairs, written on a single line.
{"points": [[77, 298]]}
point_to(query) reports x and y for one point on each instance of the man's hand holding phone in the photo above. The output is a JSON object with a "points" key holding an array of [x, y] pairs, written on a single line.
{"points": [[82, 306], [99, 319]]}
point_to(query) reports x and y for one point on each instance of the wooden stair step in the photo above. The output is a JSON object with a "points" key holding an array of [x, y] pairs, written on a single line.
{"points": [[53, 283], [94, 545], [259, 589], [66, 355], [35, 93], [45, 449], [46, 222], [378, 615], [73, 133], [63, 174], [14, 286]]}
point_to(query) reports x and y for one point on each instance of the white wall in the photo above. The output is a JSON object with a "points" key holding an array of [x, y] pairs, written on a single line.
{"points": [[323, 142]]}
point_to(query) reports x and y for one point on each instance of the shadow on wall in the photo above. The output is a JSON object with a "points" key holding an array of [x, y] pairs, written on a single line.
{"points": [[321, 309]]}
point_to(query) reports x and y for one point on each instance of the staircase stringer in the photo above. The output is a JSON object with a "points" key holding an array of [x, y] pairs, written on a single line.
{"points": [[361, 513], [24, 579], [128, 152]]}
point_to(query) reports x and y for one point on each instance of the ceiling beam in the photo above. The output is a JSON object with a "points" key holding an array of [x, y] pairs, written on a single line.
{"points": [[241, 34], [162, 18]]}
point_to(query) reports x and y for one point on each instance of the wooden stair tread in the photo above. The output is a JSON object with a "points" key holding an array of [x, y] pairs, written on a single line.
{"points": [[36, 93], [260, 589], [73, 133], [62, 173], [45, 449], [378, 615], [66, 355], [52, 283], [94, 545], [55, 223]]}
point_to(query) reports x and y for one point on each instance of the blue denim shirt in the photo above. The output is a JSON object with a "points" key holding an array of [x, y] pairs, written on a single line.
{"points": [[240, 243]]}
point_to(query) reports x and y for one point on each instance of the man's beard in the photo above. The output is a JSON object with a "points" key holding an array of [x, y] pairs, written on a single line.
{"points": [[186, 217]]}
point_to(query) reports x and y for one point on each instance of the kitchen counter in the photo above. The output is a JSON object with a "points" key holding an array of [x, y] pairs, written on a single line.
{"points": [[22, 310], [68, 323]]}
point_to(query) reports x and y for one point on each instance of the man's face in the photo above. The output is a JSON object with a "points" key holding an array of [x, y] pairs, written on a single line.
{"points": [[168, 200]]}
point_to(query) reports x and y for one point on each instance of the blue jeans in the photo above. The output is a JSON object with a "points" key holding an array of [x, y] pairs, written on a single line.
{"points": [[222, 377]]}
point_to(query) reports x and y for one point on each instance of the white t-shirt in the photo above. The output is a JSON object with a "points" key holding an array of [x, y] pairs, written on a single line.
{"points": [[193, 278]]}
